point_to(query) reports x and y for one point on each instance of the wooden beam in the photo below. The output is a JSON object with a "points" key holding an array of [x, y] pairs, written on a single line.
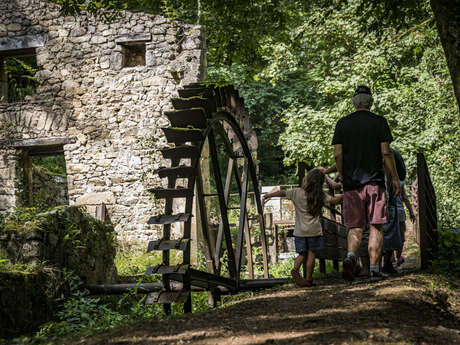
{"points": [[133, 38], [3, 81], [28, 178], [243, 206], [39, 142], [247, 229], [427, 214], [223, 204], [204, 222], [228, 180]]}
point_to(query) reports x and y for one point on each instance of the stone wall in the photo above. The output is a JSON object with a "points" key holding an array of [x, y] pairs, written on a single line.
{"points": [[114, 112], [28, 300], [62, 238], [8, 178]]}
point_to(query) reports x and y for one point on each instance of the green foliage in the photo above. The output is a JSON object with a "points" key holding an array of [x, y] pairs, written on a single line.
{"points": [[332, 53], [21, 219], [448, 260], [134, 260], [21, 77], [69, 238], [82, 315], [52, 164]]}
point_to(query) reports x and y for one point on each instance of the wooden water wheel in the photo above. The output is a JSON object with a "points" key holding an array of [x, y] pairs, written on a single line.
{"points": [[206, 114]]}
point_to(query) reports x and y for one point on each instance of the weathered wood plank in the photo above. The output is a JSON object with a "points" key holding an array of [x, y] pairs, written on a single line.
{"points": [[39, 142], [164, 269], [194, 102], [188, 118], [182, 135], [168, 244], [133, 38], [196, 92], [182, 151], [163, 193], [169, 219], [177, 172]]}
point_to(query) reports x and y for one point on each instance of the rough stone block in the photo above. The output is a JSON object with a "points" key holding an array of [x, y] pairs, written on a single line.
{"points": [[96, 198], [13, 27], [154, 81]]}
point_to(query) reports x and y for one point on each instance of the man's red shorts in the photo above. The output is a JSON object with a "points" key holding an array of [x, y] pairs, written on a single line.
{"points": [[364, 204]]}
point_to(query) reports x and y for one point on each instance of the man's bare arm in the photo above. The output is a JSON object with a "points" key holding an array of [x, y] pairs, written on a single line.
{"points": [[390, 165], [338, 155]]}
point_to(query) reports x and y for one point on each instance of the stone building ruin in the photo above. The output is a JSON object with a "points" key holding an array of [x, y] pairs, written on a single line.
{"points": [[96, 103], [101, 89]]}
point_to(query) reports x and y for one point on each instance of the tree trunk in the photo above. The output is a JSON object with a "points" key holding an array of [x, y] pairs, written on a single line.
{"points": [[447, 14]]}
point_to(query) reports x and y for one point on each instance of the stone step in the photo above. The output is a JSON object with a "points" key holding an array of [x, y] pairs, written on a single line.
{"points": [[182, 171], [169, 219], [182, 135], [181, 244], [187, 118], [163, 193], [182, 151], [167, 297]]}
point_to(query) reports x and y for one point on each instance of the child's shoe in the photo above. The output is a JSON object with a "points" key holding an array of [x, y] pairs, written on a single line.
{"points": [[298, 280], [308, 283]]}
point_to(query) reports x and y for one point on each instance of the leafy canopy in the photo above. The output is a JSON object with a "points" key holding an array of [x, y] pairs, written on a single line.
{"points": [[297, 63]]}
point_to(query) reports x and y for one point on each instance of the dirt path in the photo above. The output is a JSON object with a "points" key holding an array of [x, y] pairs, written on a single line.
{"points": [[413, 308], [401, 310]]}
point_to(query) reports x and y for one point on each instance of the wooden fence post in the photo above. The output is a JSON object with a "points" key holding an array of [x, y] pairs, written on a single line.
{"points": [[427, 214]]}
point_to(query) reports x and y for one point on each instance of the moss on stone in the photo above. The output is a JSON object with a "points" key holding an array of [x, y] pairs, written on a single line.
{"points": [[65, 237]]}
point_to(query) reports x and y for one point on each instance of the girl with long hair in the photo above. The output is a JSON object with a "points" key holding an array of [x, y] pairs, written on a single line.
{"points": [[308, 202]]}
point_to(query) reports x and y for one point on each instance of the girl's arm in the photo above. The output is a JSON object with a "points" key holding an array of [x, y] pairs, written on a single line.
{"points": [[331, 169], [337, 199], [278, 193], [332, 183]]}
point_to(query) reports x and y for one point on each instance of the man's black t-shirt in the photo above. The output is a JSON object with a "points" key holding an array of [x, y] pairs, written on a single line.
{"points": [[360, 134]]}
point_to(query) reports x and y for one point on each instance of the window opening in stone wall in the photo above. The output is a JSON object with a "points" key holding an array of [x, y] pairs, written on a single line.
{"points": [[17, 75], [133, 54], [45, 179]]}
